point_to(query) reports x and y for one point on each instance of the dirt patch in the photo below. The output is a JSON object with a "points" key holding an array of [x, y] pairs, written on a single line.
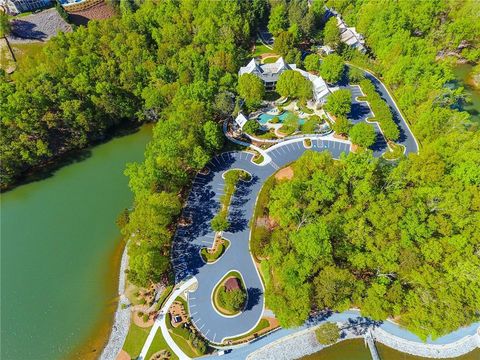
{"points": [[138, 320], [354, 148], [123, 355], [96, 12], [340, 136], [285, 173], [7, 62], [38, 27]]}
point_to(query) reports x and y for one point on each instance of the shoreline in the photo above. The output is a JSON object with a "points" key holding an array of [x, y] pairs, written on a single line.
{"points": [[121, 321]]}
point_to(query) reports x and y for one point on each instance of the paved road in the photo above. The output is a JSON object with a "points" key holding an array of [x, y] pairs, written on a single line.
{"points": [[202, 205]]}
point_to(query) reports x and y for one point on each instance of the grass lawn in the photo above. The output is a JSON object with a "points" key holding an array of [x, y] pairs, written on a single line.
{"points": [[135, 339], [158, 344], [270, 60], [260, 49], [258, 159], [263, 324], [22, 51], [265, 135], [396, 153]]}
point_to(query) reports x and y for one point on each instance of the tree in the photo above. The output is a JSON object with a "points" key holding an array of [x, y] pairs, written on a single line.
{"points": [[331, 33], [312, 62], [4, 24], [341, 125], [220, 222], [251, 126], [327, 333], [331, 68], [339, 103], [355, 75], [362, 134], [213, 136], [224, 103], [278, 20], [233, 300], [292, 84], [251, 88], [284, 43]]}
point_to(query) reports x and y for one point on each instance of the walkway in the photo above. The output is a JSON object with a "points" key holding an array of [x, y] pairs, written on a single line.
{"points": [[160, 322]]}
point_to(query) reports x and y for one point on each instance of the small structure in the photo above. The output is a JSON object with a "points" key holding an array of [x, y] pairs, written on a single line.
{"points": [[177, 314], [15, 7], [269, 74], [326, 50], [241, 120], [232, 284]]}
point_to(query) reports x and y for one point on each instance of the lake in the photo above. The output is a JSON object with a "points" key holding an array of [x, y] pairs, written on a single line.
{"points": [[356, 350], [60, 253]]}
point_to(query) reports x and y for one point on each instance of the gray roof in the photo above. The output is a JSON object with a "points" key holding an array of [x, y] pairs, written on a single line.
{"points": [[267, 72]]}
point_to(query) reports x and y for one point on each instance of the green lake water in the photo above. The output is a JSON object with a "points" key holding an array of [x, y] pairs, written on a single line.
{"points": [[60, 251], [356, 350], [462, 73]]}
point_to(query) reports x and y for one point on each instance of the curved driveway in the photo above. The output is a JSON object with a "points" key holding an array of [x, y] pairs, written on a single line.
{"points": [[202, 205]]}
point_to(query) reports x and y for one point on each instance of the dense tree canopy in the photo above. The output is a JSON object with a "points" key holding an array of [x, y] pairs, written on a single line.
{"points": [[339, 103], [362, 134], [395, 241], [331, 68], [251, 89], [331, 33], [292, 84]]}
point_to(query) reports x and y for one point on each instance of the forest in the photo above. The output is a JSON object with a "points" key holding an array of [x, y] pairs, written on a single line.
{"points": [[400, 241]]}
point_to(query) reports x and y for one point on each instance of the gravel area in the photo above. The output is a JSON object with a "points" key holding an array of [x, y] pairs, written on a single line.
{"points": [[121, 323], [37, 27]]}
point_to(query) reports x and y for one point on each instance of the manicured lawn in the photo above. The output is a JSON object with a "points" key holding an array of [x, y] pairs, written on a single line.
{"points": [[270, 60], [258, 159], [263, 324], [260, 49], [22, 51], [135, 339], [211, 257], [396, 153], [158, 344]]}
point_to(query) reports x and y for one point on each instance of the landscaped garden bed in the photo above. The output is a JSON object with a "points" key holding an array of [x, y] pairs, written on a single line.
{"points": [[394, 152], [219, 248], [230, 296]]}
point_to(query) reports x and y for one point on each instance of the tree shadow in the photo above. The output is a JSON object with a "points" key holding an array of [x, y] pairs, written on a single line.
{"points": [[254, 296], [27, 30]]}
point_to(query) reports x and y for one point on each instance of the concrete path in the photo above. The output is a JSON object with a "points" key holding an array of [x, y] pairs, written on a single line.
{"points": [[160, 322]]}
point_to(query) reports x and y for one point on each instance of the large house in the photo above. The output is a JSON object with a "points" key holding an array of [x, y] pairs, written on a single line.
{"points": [[269, 74], [348, 35]]}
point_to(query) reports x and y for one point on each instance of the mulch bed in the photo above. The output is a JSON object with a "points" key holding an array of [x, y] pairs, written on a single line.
{"points": [[96, 12]]}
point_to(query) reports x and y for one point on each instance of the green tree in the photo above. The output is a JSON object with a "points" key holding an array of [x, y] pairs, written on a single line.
{"points": [[251, 89], [224, 103], [341, 125], [4, 24], [331, 68], [312, 62], [339, 103], [278, 19], [284, 43], [220, 222], [292, 84], [251, 126], [327, 333], [213, 136], [331, 33], [355, 75], [362, 134], [233, 300]]}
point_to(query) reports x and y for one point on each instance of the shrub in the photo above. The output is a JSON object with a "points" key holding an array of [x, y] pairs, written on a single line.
{"points": [[145, 317], [251, 126], [275, 120], [327, 333]]}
